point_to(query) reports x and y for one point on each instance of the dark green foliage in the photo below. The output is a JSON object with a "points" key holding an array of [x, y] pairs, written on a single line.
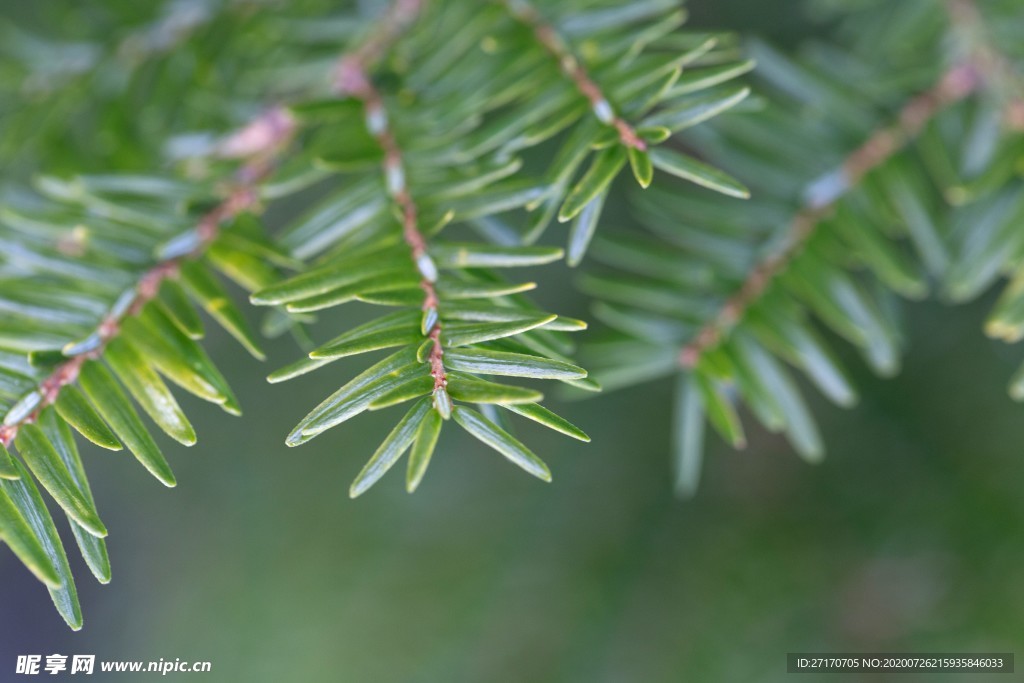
{"points": [[93, 316], [430, 146], [865, 186]]}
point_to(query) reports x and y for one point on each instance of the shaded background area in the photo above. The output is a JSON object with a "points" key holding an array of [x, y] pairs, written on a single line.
{"points": [[907, 538]]}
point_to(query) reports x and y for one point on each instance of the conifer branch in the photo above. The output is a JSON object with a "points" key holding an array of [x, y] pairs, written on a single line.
{"points": [[729, 299], [822, 194], [982, 65], [486, 328], [391, 156], [260, 141], [569, 63], [353, 80]]}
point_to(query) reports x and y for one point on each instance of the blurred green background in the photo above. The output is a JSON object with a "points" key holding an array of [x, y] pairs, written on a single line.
{"points": [[907, 538]]}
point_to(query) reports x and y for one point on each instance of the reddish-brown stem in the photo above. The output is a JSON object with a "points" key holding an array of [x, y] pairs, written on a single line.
{"points": [[352, 79], [570, 65], [261, 140], [956, 84], [394, 173]]}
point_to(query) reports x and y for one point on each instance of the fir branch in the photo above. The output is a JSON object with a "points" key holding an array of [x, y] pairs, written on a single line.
{"points": [[729, 297], [822, 195], [261, 141], [477, 84], [454, 328], [353, 80], [983, 65], [148, 333], [559, 48]]}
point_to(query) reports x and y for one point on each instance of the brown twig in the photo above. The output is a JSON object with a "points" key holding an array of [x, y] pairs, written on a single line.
{"points": [[358, 84], [394, 172], [558, 48], [352, 79], [956, 84]]}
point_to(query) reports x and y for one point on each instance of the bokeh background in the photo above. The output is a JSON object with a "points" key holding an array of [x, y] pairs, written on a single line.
{"points": [[907, 538]]}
